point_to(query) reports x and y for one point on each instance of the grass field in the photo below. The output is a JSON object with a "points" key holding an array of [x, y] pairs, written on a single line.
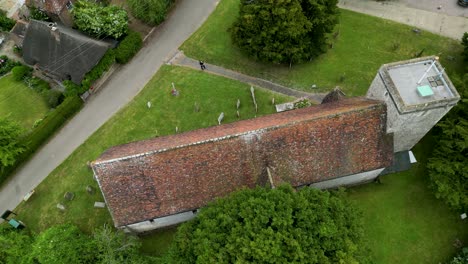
{"points": [[19, 103], [136, 121], [364, 43], [404, 222]]}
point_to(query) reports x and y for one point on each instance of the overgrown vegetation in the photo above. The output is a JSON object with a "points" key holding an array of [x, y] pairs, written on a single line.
{"points": [[461, 258], [6, 24], [279, 225], [6, 65], [128, 47], [37, 14], [72, 89], [152, 12], [66, 243], [284, 31], [10, 144], [100, 21], [43, 129]]}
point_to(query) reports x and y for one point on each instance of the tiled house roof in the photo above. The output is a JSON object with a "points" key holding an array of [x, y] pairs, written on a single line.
{"points": [[167, 175], [61, 51]]}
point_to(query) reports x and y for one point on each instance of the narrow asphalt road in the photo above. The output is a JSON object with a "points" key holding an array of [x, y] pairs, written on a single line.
{"points": [[117, 92]]}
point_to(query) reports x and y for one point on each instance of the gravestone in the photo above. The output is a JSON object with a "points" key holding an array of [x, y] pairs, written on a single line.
{"points": [[99, 205], [90, 189], [61, 207], [69, 196], [220, 118]]}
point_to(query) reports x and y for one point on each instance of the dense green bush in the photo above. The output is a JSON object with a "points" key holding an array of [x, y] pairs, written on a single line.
{"points": [[99, 20], [273, 226], [152, 12], [464, 42], [63, 244], [37, 14], [53, 98], [21, 72], [461, 258], [6, 24], [6, 64], [104, 64], [46, 128], [284, 31], [72, 89], [128, 47]]}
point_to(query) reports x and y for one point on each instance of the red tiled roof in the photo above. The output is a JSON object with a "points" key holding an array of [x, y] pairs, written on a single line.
{"points": [[167, 175]]}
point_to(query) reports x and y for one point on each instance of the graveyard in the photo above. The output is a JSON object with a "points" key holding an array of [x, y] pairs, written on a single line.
{"points": [[403, 218]]}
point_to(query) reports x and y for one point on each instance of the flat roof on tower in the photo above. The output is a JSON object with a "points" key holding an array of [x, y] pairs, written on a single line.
{"points": [[418, 84]]}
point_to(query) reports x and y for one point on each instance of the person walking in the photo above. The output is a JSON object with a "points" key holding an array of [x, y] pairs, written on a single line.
{"points": [[202, 65]]}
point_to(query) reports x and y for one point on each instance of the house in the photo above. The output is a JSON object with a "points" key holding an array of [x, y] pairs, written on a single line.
{"points": [[163, 181], [61, 52], [57, 10]]}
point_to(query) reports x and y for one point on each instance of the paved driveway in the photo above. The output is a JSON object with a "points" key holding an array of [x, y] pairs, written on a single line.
{"points": [[121, 88], [449, 7], [435, 21]]}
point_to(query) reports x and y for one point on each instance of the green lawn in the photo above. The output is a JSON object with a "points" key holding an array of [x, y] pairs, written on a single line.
{"points": [[364, 43], [20, 103], [404, 222], [136, 121]]}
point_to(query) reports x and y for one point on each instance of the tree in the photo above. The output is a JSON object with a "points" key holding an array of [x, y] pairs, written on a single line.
{"points": [[115, 247], [10, 145], [272, 226], [152, 12], [464, 42], [100, 21], [15, 245], [284, 31], [64, 244], [448, 167]]}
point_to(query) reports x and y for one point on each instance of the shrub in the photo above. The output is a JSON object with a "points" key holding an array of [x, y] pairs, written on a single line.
{"points": [[71, 89], [7, 64], [461, 258], [152, 12], [44, 129], [100, 21], [6, 24], [21, 72], [104, 64], [53, 98], [128, 47], [37, 84], [37, 14]]}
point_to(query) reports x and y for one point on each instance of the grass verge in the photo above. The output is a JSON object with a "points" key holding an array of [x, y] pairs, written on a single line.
{"points": [[363, 44]]}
